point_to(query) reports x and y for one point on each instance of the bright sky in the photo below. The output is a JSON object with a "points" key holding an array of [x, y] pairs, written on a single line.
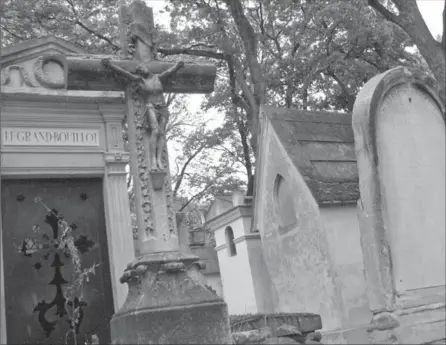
{"points": [[432, 12]]}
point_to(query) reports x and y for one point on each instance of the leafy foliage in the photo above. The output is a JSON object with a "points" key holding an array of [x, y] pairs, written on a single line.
{"points": [[92, 24], [313, 54]]}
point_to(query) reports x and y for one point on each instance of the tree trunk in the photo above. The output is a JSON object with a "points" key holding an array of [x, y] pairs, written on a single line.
{"points": [[246, 154], [412, 22], [305, 99], [249, 40]]}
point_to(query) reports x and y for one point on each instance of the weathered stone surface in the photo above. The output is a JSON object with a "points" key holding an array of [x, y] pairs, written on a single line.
{"points": [[297, 254], [383, 337], [399, 128], [166, 305], [313, 336], [383, 321], [387, 117], [320, 145], [285, 330], [303, 322], [280, 340], [195, 324], [252, 337]]}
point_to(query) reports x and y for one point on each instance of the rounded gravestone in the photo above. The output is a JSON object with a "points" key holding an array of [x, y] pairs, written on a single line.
{"points": [[399, 128]]}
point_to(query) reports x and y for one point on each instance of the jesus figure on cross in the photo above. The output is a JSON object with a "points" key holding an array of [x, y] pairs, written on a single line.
{"points": [[156, 114]]}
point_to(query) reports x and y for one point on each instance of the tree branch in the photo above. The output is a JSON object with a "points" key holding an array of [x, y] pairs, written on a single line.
{"points": [[183, 169], [384, 11], [13, 34], [350, 98], [204, 45], [249, 40], [194, 52], [209, 185], [98, 35], [72, 7]]}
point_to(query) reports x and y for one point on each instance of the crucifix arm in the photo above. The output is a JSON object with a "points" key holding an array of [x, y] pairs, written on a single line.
{"points": [[132, 77], [171, 70]]}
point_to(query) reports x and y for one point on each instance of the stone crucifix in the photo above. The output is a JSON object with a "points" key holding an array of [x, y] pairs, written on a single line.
{"points": [[167, 302], [144, 80]]}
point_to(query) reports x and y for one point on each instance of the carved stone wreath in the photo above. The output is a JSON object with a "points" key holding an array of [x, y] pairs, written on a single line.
{"points": [[44, 79], [6, 78]]}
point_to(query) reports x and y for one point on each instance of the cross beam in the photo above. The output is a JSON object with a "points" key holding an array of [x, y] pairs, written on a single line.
{"points": [[86, 72]]}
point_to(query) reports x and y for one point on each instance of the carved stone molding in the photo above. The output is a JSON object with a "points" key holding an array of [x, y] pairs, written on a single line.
{"points": [[114, 138], [42, 77], [246, 237], [6, 77], [229, 216], [162, 262], [158, 179], [116, 162]]}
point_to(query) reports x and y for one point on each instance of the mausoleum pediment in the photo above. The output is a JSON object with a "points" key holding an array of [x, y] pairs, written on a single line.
{"points": [[36, 63]]}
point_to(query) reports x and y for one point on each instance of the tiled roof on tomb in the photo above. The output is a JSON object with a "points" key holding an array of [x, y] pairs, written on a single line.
{"points": [[321, 145]]}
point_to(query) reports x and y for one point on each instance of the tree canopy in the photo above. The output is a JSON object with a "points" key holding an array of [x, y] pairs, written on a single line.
{"points": [[313, 54]]}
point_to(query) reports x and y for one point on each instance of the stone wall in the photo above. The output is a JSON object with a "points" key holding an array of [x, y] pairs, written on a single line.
{"points": [[297, 255]]}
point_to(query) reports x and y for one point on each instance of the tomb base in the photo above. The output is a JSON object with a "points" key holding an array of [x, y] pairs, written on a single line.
{"points": [[424, 324], [166, 305]]}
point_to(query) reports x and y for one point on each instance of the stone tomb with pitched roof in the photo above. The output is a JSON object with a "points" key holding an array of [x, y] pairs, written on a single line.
{"points": [[299, 251], [305, 211]]}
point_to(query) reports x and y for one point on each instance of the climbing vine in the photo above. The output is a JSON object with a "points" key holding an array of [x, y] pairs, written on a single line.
{"points": [[71, 302]]}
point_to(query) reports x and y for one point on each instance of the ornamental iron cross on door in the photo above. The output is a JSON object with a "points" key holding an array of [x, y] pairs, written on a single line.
{"points": [[144, 80]]}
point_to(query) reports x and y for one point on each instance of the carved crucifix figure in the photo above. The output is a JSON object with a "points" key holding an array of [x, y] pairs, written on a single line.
{"points": [[156, 114]]}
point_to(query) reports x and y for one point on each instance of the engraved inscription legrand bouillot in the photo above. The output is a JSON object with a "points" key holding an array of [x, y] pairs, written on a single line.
{"points": [[15, 136]]}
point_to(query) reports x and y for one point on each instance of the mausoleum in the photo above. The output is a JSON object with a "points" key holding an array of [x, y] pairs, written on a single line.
{"points": [[66, 148]]}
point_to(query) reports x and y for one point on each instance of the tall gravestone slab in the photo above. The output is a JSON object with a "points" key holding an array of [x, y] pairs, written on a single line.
{"points": [[399, 127]]}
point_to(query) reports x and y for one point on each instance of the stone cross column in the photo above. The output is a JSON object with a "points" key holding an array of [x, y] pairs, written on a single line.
{"points": [[165, 304], [153, 193]]}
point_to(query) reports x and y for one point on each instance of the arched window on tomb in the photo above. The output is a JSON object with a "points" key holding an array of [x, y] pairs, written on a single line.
{"points": [[232, 249], [284, 203]]}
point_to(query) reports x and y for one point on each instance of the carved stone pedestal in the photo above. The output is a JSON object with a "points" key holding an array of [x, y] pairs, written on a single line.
{"points": [[166, 305]]}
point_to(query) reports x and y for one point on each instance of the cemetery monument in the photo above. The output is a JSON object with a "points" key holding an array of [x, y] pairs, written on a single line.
{"points": [[164, 302]]}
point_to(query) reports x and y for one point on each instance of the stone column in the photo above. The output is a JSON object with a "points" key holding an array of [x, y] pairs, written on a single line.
{"points": [[2, 282], [119, 228], [116, 201]]}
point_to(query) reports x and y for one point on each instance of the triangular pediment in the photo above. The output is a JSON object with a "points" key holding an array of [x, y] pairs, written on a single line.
{"points": [[35, 64]]}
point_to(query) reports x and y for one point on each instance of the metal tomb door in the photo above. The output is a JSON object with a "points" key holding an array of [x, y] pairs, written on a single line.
{"points": [[41, 298]]}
